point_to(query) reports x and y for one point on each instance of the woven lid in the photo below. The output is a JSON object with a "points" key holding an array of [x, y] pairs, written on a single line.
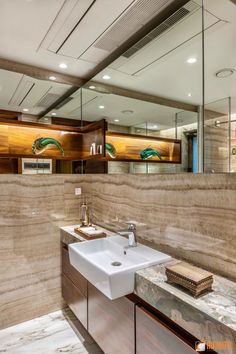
{"points": [[189, 272]]}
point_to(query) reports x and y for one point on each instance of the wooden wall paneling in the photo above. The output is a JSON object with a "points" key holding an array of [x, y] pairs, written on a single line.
{"points": [[8, 165], [94, 133], [17, 140], [128, 147], [11, 115]]}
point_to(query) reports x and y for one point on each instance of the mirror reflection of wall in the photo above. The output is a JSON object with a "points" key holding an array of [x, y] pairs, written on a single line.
{"points": [[220, 86]]}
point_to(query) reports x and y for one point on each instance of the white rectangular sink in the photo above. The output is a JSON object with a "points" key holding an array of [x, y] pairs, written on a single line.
{"points": [[105, 265]]}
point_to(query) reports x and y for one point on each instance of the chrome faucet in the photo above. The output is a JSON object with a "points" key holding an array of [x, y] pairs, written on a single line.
{"points": [[131, 235]]}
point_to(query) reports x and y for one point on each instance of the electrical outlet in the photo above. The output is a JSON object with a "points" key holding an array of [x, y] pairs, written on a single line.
{"points": [[78, 191]]}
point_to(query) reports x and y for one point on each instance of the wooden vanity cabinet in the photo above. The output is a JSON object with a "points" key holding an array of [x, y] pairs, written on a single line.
{"points": [[152, 336], [111, 322], [74, 288], [122, 326]]}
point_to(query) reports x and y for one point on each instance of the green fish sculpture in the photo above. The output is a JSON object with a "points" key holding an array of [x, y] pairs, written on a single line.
{"points": [[42, 144], [148, 153], [110, 150]]}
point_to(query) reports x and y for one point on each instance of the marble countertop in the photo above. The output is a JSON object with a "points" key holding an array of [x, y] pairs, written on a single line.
{"points": [[68, 235], [212, 317]]}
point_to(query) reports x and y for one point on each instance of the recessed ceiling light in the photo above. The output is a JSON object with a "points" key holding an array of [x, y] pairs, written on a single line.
{"points": [[45, 118], [116, 120], [101, 107], [63, 66], [26, 109], [192, 60], [138, 130], [221, 74], [92, 87], [53, 78], [155, 126], [106, 77], [53, 114], [189, 94]]}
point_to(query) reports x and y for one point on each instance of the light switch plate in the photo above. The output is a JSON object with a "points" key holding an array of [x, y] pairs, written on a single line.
{"points": [[78, 191]]}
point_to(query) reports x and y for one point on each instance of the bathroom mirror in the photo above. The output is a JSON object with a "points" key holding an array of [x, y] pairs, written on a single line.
{"points": [[165, 86]]}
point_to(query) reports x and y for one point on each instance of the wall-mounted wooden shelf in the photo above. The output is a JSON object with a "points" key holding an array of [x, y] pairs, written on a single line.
{"points": [[128, 148]]}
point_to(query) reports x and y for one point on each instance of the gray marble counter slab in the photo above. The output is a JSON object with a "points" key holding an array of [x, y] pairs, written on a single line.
{"points": [[211, 317]]}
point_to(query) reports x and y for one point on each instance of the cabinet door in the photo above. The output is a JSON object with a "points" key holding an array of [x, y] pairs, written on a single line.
{"points": [[111, 322], [153, 337], [75, 300], [71, 273]]}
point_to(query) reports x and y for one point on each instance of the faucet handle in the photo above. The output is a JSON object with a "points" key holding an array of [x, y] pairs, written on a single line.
{"points": [[131, 226]]}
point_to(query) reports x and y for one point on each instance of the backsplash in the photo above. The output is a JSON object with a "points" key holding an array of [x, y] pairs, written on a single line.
{"points": [[188, 216]]}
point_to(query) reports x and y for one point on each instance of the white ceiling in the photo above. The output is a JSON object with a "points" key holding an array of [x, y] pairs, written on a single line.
{"points": [[79, 33]]}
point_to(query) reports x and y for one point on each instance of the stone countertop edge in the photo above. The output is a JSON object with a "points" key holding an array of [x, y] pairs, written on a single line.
{"points": [[211, 316]]}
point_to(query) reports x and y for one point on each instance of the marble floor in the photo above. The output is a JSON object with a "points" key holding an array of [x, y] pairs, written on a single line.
{"points": [[57, 332]]}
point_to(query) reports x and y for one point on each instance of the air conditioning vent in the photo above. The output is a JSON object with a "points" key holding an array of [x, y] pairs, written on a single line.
{"points": [[64, 102], [141, 12], [48, 100], [160, 29]]}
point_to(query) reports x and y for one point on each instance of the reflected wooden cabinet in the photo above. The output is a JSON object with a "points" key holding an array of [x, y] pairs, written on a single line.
{"points": [[153, 337], [111, 322]]}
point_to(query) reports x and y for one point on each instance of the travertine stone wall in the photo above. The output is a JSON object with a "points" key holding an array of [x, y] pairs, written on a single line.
{"points": [[31, 211], [191, 217]]}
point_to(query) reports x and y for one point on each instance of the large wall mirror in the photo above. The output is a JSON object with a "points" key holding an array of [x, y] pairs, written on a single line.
{"points": [[167, 104]]}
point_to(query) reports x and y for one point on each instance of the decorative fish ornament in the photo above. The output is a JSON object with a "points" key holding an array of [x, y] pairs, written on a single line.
{"points": [[148, 153], [42, 144], [110, 150]]}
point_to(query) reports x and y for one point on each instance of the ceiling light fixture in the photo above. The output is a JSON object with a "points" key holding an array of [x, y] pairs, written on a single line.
{"points": [[92, 87], [53, 78], [223, 73], [53, 114], [63, 66], [155, 126], [192, 60], [26, 109], [101, 107], [189, 94], [106, 77], [116, 120]]}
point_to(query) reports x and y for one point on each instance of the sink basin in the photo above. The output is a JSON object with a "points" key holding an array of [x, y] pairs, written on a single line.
{"points": [[103, 263]]}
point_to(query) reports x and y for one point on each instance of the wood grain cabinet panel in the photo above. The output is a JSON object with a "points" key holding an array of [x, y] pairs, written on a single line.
{"points": [[111, 322], [71, 273], [75, 300], [153, 337]]}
